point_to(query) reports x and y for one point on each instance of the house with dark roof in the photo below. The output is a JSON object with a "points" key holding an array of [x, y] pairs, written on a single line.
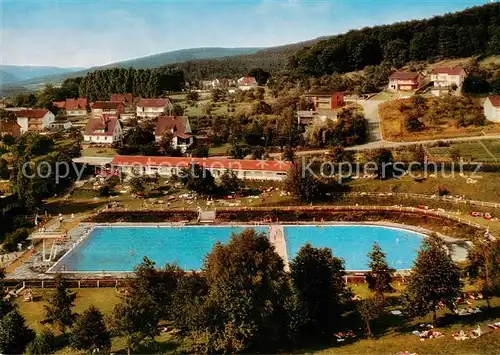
{"points": [[152, 108], [127, 99], [405, 81], [10, 128], [109, 108], [106, 129], [34, 120], [492, 108], [178, 127]]}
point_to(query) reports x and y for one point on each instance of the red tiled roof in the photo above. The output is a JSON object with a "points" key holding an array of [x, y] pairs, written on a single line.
{"points": [[107, 105], [7, 126], [108, 125], [125, 98], [247, 81], [445, 70], [495, 100], [324, 93], [176, 125], [234, 164], [153, 102], [402, 75], [59, 104], [39, 113], [76, 104]]}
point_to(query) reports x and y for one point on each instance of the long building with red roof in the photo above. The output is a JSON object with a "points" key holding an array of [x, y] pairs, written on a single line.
{"points": [[169, 166]]}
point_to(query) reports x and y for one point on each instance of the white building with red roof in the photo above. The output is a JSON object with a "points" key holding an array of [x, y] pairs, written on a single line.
{"points": [[448, 77], [247, 82], [405, 81], [271, 170], [151, 108], [180, 129], [34, 120], [73, 107], [105, 130], [492, 108]]}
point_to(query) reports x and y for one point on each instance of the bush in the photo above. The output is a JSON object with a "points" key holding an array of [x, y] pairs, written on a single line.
{"points": [[44, 343], [12, 239]]}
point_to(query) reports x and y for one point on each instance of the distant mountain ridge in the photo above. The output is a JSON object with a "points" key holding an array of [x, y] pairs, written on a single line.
{"points": [[15, 73], [151, 61]]}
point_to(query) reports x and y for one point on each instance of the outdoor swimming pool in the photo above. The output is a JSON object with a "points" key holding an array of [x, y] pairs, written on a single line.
{"points": [[114, 249]]}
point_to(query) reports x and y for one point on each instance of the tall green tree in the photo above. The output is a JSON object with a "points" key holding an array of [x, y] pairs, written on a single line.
{"points": [[484, 266], [247, 287], [229, 182], [380, 275], [14, 334], [198, 179], [59, 310], [301, 183], [434, 280], [318, 278], [89, 332], [44, 343], [370, 310]]}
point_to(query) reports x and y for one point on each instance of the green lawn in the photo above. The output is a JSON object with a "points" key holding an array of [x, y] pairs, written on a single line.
{"points": [[99, 152], [393, 334], [479, 151], [219, 150], [384, 95]]}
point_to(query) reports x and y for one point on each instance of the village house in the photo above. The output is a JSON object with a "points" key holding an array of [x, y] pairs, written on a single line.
{"points": [[108, 108], [73, 107], [126, 99], [271, 170], [151, 108], [10, 128], [405, 81], [446, 80], [492, 108], [326, 100], [247, 83], [105, 130], [34, 120], [180, 129]]}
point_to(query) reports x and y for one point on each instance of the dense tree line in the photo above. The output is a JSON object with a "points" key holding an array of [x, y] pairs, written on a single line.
{"points": [[100, 84], [471, 32]]}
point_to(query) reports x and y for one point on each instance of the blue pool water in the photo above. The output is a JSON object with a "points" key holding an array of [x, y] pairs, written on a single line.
{"points": [[352, 243], [122, 248]]}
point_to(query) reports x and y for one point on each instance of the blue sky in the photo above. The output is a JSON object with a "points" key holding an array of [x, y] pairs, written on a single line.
{"points": [[82, 33]]}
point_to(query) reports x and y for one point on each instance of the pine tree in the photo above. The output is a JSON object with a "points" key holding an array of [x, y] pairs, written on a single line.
{"points": [[89, 332], [435, 279], [380, 277], [370, 310], [43, 344], [14, 334], [58, 311]]}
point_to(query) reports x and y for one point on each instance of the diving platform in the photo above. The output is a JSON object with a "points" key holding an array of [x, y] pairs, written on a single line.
{"points": [[50, 242], [277, 238]]}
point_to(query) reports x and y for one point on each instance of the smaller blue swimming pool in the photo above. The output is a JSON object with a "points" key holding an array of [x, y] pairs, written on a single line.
{"points": [[353, 242]]}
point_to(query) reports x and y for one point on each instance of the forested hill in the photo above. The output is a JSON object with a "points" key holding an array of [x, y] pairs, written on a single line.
{"points": [[271, 59], [474, 31], [471, 32]]}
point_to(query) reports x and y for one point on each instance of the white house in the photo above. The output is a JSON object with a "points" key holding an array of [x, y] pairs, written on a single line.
{"points": [[180, 129], [103, 130], [448, 77], [492, 108], [151, 108], [34, 120], [405, 81], [76, 107], [271, 170], [247, 83]]}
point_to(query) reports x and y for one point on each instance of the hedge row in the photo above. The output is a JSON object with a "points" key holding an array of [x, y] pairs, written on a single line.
{"points": [[143, 216]]}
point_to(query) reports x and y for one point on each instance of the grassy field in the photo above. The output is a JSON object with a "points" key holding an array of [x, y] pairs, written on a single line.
{"points": [[219, 150], [487, 151], [99, 152], [393, 334], [393, 127]]}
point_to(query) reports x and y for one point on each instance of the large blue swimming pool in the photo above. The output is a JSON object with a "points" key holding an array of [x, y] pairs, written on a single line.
{"points": [[121, 248]]}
